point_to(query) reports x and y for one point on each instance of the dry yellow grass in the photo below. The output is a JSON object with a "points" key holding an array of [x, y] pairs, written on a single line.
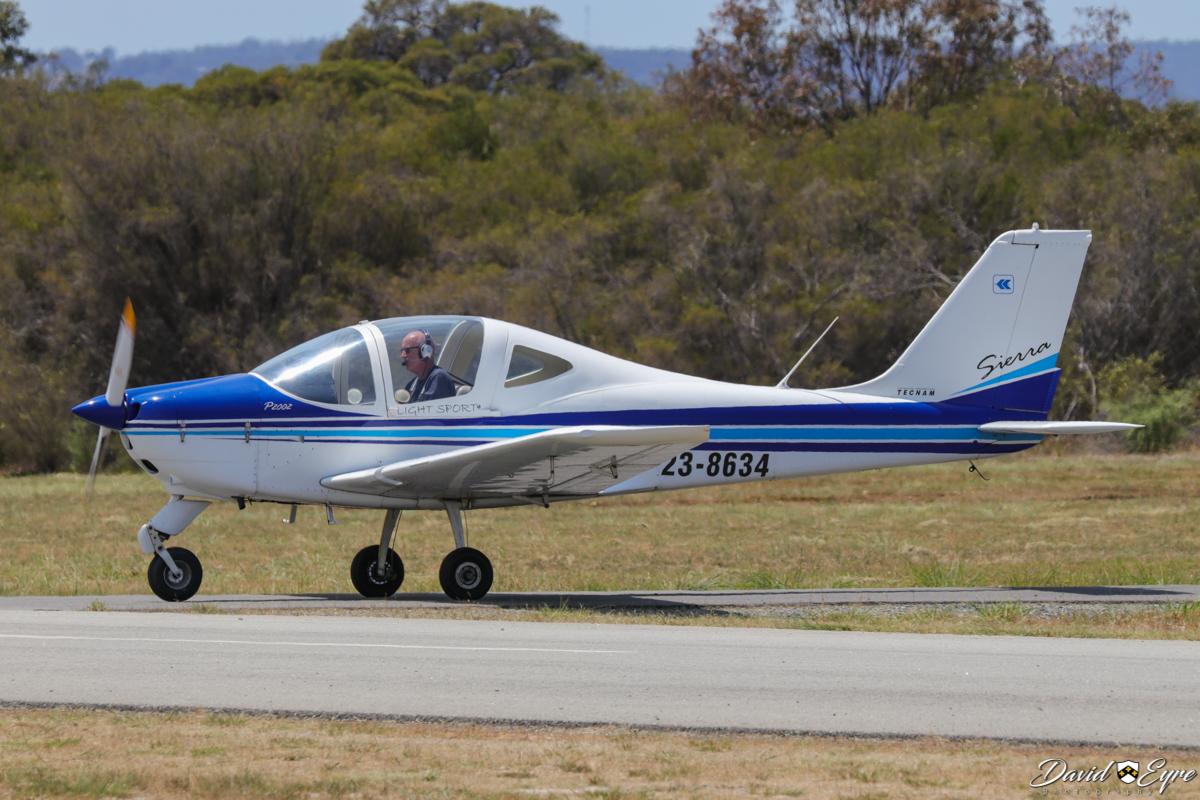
{"points": [[93, 753], [1040, 520]]}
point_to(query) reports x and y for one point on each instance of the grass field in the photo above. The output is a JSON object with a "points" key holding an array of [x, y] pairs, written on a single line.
{"points": [[1041, 520], [91, 753]]}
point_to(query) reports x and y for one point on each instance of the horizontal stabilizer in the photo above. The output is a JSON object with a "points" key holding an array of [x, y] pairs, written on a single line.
{"points": [[1057, 428], [560, 461]]}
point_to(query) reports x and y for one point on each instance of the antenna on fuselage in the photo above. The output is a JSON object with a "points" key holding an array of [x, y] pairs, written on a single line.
{"points": [[783, 383]]}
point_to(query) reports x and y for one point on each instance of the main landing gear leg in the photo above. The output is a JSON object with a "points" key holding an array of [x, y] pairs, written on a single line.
{"points": [[377, 571], [466, 573], [457, 523], [174, 574]]}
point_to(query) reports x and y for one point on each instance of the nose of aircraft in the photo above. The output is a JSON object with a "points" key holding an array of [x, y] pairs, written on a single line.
{"points": [[227, 397], [98, 411]]}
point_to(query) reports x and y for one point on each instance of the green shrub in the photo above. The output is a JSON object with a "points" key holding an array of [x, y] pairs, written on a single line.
{"points": [[1134, 391], [1167, 415]]}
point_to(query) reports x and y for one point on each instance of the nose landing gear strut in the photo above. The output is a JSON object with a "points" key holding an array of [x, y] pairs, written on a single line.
{"points": [[175, 574]]}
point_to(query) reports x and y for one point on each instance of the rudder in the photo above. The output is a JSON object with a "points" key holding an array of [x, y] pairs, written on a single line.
{"points": [[996, 339]]}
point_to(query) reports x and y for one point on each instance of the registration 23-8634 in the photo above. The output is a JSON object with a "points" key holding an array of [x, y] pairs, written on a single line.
{"points": [[715, 463]]}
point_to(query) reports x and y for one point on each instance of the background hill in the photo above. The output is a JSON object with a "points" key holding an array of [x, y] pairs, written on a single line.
{"points": [[156, 68], [1181, 61]]}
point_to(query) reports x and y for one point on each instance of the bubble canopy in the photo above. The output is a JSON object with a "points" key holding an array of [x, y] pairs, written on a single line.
{"points": [[340, 368]]}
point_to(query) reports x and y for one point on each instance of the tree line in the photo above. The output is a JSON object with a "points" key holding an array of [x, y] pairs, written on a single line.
{"points": [[851, 157]]}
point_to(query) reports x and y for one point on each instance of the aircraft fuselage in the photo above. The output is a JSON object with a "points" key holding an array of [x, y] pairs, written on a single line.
{"points": [[239, 437]]}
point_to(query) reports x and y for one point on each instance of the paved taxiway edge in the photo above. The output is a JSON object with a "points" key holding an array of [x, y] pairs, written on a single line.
{"points": [[503, 722], [644, 601]]}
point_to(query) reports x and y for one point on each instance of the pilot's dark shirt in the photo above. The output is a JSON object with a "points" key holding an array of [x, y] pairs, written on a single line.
{"points": [[434, 386]]}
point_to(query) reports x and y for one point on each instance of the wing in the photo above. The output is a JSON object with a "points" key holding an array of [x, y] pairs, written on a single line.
{"points": [[562, 461]]}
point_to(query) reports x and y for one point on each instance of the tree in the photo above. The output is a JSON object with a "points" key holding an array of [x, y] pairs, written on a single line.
{"points": [[971, 43], [1097, 57], [858, 52], [12, 27], [479, 45], [744, 67], [838, 58], [843, 58]]}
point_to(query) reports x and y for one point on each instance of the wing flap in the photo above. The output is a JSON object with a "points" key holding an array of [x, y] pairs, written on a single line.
{"points": [[576, 460]]}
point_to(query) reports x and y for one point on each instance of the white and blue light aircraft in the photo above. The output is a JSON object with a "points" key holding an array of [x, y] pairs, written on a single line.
{"points": [[533, 419]]}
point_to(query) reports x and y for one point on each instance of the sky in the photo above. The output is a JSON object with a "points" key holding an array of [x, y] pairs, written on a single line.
{"points": [[134, 26]]}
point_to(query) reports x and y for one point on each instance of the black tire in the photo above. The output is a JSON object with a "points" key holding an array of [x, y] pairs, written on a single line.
{"points": [[365, 579], [170, 590], [466, 574]]}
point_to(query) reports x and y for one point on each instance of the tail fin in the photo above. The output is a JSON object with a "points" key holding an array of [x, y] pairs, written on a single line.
{"points": [[995, 341]]}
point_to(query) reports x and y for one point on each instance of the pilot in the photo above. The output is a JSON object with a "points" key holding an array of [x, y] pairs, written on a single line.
{"points": [[432, 382]]}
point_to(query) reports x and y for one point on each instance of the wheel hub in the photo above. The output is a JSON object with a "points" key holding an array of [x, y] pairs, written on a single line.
{"points": [[468, 575], [185, 575]]}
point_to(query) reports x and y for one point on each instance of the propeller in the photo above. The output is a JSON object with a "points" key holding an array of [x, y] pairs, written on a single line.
{"points": [[118, 377]]}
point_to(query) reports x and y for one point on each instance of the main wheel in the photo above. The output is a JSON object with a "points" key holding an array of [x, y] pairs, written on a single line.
{"points": [[170, 589], [366, 577], [466, 574]]}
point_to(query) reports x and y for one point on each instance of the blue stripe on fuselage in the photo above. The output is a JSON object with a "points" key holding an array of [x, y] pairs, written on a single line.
{"points": [[885, 426], [962, 448], [864, 433]]}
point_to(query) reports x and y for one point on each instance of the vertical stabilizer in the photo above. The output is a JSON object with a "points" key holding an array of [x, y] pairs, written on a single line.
{"points": [[996, 339]]}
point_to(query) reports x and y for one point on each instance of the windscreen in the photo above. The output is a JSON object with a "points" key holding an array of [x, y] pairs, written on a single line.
{"points": [[334, 368]]}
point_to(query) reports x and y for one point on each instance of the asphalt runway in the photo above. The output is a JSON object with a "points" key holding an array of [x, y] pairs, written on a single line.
{"points": [[1021, 688]]}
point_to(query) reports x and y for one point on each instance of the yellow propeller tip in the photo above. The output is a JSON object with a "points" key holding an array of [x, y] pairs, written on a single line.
{"points": [[128, 318]]}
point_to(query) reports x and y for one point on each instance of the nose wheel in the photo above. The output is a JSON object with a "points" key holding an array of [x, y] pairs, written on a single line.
{"points": [[179, 584]]}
